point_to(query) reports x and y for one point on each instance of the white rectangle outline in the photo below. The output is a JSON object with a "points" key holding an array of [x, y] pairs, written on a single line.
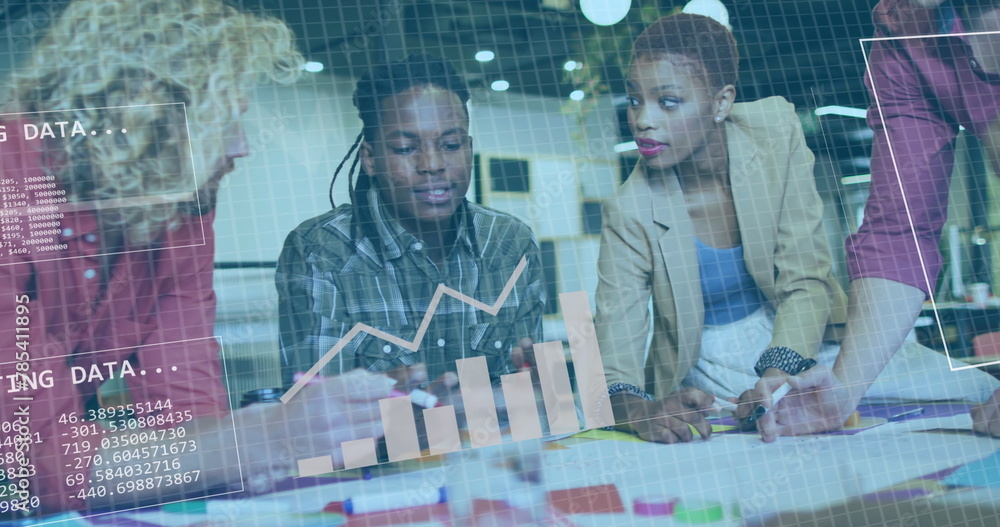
{"points": [[909, 217], [225, 377], [164, 197]]}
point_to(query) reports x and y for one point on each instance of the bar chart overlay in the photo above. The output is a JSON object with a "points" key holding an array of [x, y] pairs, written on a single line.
{"points": [[476, 392]]}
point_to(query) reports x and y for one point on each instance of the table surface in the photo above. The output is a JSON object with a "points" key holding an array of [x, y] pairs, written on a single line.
{"points": [[806, 473]]}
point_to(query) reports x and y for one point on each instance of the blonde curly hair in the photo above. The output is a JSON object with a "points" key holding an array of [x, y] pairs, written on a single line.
{"points": [[119, 64]]}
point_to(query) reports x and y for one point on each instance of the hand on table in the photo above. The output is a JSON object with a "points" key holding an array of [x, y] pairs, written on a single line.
{"points": [[319, 418], [523, 354], [667, 420], [409, 378], [818, 402], [986, 417]]}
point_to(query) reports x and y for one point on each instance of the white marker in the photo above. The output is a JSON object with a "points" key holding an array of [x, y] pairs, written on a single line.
{"points": [[389, 501], [780, 393], [749, 423], [418, 397], [722, 404]]}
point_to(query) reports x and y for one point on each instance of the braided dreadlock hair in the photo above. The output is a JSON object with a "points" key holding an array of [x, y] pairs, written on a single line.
{"points": [[376, 85]]}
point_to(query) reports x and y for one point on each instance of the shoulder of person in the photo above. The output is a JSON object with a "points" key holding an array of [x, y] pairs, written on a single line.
{"points": [[897, 18], [21, 173], [764, 115], [490, 222], [329, 231], [502, 239], [771, 123], [633, 201]]}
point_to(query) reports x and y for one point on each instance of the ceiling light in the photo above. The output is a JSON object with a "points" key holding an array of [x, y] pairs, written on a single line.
{"points": [[570, 65], [500, 85], [485, 55], [313, 66], [840, 110], [710, 8], [577, 95], [605, 12]]}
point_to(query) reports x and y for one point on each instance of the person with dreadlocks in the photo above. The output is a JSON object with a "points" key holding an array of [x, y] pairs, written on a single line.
{"points": [[409, 230]]}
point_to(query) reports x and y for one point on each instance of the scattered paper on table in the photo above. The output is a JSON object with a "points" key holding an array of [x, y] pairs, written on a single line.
{"points": [[609, 434], [982, 473]]}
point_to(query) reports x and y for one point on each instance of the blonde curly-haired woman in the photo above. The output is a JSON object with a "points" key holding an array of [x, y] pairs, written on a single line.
{"points": [[118, 283]]}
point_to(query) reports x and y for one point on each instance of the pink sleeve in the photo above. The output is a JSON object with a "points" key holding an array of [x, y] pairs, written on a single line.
{"points": [[29, 354], [49, 394], [911, 165], [183, 338]]}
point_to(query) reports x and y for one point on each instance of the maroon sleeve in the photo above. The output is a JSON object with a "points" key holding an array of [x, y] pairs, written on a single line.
{"points": [[182, 348], [31, 355], [912, 160], [176, 324]]}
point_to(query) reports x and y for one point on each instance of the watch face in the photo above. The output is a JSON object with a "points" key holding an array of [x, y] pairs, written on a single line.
{"points": [[804, 365], [749, 423]]}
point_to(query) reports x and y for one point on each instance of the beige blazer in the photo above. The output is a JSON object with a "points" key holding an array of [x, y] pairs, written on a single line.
{"points": [[648, 250]]}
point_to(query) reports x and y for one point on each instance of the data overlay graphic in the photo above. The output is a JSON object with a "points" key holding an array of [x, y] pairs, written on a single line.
{"points": [[35, 205], [133, 443], [478, 403]]}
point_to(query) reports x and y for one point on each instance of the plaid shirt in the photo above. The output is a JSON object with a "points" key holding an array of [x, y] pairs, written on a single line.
{"points": [[328, 280]]}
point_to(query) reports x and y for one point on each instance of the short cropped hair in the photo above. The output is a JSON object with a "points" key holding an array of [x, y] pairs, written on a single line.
{"points": [[699, 40]]}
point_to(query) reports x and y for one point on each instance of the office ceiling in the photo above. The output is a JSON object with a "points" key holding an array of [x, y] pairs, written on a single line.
{"points": [[805, 50]]}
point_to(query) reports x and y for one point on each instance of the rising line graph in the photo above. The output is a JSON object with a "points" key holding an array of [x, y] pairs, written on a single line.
{"points": [[410, 345]]}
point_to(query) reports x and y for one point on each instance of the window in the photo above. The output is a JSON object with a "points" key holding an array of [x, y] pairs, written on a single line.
{"points": [[591, 212], [550, 276], [509, 175]]}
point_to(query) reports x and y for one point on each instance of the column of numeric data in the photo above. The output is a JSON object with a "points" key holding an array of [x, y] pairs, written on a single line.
{"points": [[16, 438], [30, 215], [142, 451]]}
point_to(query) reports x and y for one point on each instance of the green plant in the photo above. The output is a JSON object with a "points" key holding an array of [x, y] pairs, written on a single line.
{"points": [[603, 52]]}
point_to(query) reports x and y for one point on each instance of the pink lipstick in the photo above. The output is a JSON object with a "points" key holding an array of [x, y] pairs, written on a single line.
{"points": [[649, 147]]}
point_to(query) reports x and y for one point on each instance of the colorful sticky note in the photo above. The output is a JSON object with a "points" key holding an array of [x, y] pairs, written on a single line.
{"points": [[614, 435], [982, 473]]}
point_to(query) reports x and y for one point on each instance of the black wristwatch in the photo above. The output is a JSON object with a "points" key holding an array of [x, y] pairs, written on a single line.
{"points": [[785, 359]]}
